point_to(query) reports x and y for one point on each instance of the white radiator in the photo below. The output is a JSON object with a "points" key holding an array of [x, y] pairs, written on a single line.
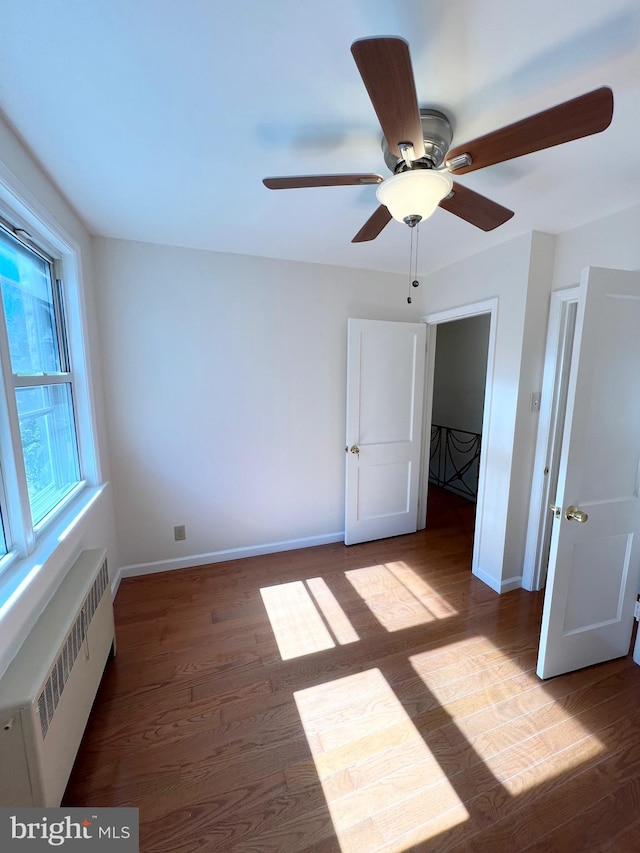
{"points": [[47, 692]]}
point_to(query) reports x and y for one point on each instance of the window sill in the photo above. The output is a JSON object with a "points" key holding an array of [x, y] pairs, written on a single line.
{"points": [[17, 573]]}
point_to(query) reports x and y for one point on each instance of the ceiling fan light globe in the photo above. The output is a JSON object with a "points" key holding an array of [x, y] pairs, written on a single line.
{"points": [[416, 192]]}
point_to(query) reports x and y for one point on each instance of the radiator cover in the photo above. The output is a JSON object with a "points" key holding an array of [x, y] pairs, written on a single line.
{"points": [[47, 692]]}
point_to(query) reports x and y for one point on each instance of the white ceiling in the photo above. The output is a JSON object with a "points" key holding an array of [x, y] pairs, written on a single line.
{"points": [[158, 118]]}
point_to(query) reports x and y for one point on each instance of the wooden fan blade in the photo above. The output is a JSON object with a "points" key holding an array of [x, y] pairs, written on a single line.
{"points": [[583, 116], [385, 67], [299, 181], [373, 226], [475, 208]]}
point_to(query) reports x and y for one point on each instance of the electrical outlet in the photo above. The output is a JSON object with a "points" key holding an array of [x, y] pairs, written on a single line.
{"points": [[179, 532]]}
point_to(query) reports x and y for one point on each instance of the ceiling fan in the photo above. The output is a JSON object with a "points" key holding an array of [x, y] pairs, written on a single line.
{"points": [[416, 145]]}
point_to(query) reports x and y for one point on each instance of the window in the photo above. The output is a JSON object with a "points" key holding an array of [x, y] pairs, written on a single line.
{"points": [[40, 424]]}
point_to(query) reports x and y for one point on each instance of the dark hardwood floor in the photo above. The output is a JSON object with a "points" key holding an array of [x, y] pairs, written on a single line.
{"points": [[370, 698]]}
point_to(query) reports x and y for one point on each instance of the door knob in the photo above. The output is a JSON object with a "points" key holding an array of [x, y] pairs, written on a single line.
{"points": [[354, 449], [575, 514]]}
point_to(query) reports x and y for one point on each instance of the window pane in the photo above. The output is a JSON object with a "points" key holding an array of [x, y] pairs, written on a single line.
{"points": [[48, 444], [28, 308]]}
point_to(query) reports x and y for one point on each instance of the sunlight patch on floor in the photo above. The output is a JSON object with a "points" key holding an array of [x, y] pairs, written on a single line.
{"points": [[306, 617], [297, 625], [422, 590], [339, 624], [397, 596], [381, 782], [512, 700]]}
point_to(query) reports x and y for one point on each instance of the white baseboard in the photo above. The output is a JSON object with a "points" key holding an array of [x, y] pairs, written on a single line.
{"points": [[499, 586], [115, 584], [511, 583], [194, 560]]}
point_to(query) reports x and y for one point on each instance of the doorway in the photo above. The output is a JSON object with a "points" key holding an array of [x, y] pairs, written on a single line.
{"points": [[460, 376], [487, 310]]}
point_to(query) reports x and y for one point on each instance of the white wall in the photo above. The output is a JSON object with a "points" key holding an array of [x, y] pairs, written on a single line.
{"points": [[612, 242], [533, 342], [230, 370], [460, 373], [225, 387], [25, 188], [518, 274]]}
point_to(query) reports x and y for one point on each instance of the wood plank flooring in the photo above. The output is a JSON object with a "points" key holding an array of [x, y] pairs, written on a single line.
{"points": [[361, 699]]}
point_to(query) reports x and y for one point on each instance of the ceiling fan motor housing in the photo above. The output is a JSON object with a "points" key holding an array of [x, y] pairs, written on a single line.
{"points": [[437, 134]]}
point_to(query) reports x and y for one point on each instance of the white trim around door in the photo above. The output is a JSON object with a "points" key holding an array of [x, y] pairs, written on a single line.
{"points": [[483, 526]]}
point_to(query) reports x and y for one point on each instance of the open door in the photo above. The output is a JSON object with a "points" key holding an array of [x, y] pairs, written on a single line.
{"points": [[594, 563], [385, 389]]}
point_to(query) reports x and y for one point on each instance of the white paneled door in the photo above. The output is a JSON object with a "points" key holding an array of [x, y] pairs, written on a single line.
{"points": [[594, 563], [385, 390]]}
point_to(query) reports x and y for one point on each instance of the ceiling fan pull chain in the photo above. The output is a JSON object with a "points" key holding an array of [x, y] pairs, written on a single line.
{"points": [[411, 230], [413, 261]]}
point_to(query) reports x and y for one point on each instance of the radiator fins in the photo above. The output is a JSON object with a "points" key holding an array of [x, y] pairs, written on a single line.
{"points": [[52, 690]]}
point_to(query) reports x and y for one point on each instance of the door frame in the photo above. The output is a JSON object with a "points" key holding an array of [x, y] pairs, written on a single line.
{"points": [[553, 402], [487, 306]]}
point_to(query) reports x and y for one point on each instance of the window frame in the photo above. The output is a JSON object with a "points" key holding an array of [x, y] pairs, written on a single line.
{"points": [[63, 255]]}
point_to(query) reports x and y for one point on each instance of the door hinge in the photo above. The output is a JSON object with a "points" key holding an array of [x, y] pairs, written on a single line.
{"points": [[636, 612]]}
